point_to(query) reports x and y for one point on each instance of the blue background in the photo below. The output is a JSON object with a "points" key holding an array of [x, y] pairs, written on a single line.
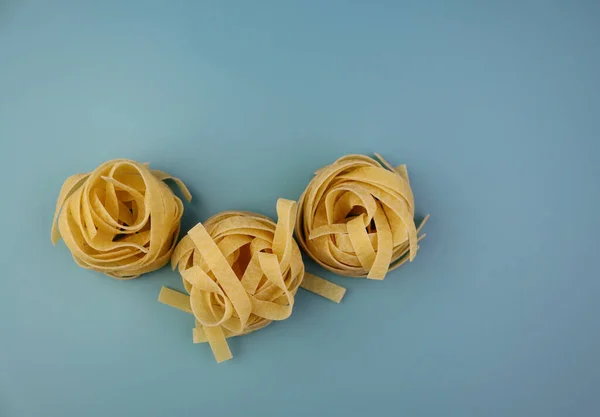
{"points": [[494, 106]]}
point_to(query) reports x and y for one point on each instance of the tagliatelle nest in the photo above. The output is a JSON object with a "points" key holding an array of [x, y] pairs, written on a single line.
{"points": [[242, 272], [120, 219], [356, 217]]}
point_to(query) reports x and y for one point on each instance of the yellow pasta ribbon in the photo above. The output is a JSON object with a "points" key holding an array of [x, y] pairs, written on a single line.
{"points": [[242, 271], [120, 219], [356, 217]]}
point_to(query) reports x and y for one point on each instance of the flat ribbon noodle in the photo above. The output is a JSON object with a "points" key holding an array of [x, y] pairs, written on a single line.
{"points": [[242, 271], [356, 217], [120, 219]]}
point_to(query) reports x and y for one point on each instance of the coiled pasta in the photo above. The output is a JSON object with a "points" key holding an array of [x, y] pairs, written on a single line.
{"points": [[120, 219], [356, 217], [242, 271]]}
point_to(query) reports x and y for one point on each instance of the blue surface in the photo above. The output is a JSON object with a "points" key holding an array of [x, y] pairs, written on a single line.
{"points": [[495, 108]]}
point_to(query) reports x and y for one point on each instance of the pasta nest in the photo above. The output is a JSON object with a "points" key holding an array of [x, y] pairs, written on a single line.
{"points": [[242, 271], [120, 219], [356, 217]]}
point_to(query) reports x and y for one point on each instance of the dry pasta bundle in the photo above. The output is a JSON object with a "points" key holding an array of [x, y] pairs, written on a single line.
{"points": [[242, 272], [356, 217], [120, 219]]}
